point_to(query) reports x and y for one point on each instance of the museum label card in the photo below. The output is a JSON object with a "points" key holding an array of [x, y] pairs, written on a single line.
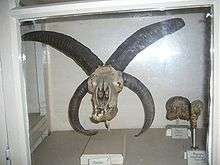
{"points": [[179, 133], [197, 157], [100, 161]]}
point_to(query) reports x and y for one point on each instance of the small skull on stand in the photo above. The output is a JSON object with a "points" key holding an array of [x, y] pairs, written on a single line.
{"points": [[179, 107]]}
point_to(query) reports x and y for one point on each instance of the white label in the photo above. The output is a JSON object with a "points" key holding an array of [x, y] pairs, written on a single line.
{"points": [[179, 133], [197, 158], [85, 159], [100, 161], [169, 132]]}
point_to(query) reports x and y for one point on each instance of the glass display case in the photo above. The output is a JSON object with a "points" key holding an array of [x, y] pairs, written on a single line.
{"points": [[162, 56]]}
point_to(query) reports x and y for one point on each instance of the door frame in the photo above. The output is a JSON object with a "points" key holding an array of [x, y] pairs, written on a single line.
{"points": [[3, 127], [16, 88], [13, 87]]}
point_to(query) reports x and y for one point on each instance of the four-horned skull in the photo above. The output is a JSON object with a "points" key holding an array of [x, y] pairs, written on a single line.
{"points": [[107, 80]]}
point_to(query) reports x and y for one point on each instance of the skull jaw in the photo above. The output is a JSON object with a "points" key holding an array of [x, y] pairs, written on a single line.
{"points": [[101, 115], [104, 112], [183, 115], [171, 117]]}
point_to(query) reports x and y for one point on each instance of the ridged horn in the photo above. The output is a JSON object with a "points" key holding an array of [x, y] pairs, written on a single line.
{"points": [[74, 106], [141, 39], [144, 95], [73, 49]]}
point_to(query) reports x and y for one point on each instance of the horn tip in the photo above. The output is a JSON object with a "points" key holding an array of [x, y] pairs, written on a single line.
{"points": [[179, 22]]}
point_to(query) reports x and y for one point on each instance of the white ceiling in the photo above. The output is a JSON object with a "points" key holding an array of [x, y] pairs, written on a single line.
{"points": [[37, 2]]}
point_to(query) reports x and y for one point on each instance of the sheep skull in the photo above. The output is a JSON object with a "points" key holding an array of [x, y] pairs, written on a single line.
{"points": [[104, 85]]}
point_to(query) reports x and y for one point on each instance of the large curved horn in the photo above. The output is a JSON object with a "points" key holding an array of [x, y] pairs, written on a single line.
{"points": [[74, 109], [130, 82], [140, 40], [145, 96], [82, 55]]}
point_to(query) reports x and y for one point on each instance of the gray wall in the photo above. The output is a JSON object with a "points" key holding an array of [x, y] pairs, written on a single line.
{"points": [[172, 66]]}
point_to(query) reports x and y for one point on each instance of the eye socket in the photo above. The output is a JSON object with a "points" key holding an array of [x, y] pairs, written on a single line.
{"points": [[118, 84], [100, 94], [107, 91]]}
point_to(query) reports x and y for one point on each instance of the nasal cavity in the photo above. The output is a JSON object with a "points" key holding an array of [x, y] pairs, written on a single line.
{"points": [[103, 93]]}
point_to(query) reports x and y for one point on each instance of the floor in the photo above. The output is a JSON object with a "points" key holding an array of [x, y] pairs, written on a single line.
{"points": [[152, 148], [34, 118]]}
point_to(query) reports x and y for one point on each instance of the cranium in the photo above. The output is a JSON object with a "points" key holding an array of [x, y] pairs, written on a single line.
{"points": [[107, 80], [104, 84], [197, 107], [178, 107]]}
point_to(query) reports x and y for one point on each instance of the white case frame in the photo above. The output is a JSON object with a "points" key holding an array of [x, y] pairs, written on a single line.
{"points": [[20, 153]]}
